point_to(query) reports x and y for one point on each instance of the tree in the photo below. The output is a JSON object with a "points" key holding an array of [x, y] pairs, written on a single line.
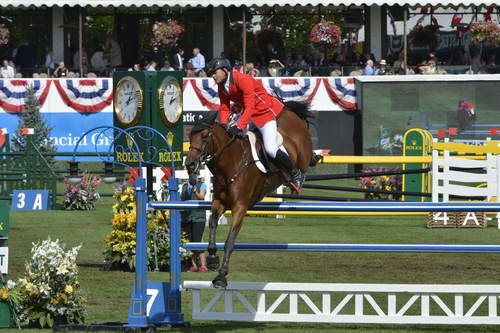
{"points": [[31, 118]]}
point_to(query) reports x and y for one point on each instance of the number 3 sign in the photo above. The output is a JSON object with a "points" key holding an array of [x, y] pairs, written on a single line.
{"points": [[30, 200]]}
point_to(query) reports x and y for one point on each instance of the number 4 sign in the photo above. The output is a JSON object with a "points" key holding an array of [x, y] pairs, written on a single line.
{"points": [[30, 200]]}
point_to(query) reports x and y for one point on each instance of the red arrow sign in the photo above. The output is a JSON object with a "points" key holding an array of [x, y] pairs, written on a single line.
{"points": [[134, 173], [167, 173]]}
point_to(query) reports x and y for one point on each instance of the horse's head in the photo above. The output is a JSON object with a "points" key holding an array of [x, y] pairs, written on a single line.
{"points": [[199, 139]]}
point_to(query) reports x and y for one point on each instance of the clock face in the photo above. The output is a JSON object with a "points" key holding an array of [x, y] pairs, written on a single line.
{"points": [[128, 101], [170, 94]]}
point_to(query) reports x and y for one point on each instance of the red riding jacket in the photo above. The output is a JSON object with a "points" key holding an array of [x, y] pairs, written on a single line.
{"points": [[250, 98]]}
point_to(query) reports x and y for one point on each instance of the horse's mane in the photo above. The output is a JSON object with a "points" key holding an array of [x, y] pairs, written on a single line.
{"points": [[301, 109], [205, 123]]}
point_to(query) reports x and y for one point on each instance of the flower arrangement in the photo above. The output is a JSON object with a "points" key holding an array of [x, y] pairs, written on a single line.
{"points": [[485, 31], [166, 33], [121, 241], [50, 293], [11, 295], [4, 34], [387, 183], [424, 36], [326, 33], [82, 196], [392, 145]]}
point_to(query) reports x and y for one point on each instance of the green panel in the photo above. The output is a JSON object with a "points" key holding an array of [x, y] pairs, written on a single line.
{"points": [[144, 120], [414, 145], [173, 132], [150, 83], [4, 218]]}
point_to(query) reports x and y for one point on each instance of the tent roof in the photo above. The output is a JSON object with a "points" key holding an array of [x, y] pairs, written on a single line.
{"points": [[227, 3]]}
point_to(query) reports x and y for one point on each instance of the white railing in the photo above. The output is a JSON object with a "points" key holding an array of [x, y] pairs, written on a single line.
{"points": [[346, 303]]}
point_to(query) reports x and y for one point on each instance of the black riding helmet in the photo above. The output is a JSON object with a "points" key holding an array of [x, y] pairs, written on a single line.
{"points": [[217, 63]]}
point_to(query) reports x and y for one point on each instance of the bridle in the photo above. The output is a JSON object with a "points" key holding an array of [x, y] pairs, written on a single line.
{"points": [[205, 157]]}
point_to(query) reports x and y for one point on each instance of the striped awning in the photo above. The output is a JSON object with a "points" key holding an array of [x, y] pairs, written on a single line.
{"points": [[238, 3]]}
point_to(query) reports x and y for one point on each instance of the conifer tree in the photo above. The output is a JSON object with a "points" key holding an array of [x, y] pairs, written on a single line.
{"points": [[31, 118]]}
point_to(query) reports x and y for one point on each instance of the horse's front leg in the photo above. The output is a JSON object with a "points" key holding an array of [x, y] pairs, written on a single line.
{"points": [[217, 211], [238, 214]]}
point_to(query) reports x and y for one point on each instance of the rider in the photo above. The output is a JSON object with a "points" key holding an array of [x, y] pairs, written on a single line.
{"points": [[256, 105]]}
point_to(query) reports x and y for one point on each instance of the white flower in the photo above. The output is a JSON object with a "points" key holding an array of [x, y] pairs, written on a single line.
{"points": [[10, 284]]}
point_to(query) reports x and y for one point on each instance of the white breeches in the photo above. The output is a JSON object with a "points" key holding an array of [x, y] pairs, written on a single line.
{"points": [[269, 135]]}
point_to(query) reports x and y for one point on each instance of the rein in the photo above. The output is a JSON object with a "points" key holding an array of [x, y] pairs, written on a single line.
{"points": [[205, 158]]}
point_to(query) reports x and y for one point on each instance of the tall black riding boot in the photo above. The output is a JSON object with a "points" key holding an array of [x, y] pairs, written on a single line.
{"points": [[284, 162]]}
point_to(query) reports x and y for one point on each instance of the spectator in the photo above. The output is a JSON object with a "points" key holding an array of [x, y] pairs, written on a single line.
{"points": [[198, 60], [98, 62], [76, 61], [50, 64], [136, 67], [193, 222], [61, 70], [369, 69], [275, 67], [24, 59], [151, 67], [7, 71], [178, 60], [272, 52], [190, 71], [167, 67], [382, 69], [250, 69], [115, 53]]}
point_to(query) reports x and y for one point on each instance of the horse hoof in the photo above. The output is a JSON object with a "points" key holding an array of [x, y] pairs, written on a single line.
{"points": [[219, 282], [213, 262]]}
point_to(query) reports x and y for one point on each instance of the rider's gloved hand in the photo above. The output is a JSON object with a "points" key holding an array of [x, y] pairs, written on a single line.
{"points": [[235, 131]]}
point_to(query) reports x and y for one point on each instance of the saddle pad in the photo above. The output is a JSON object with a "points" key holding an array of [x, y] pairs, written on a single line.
{"points": [[253, 140]]}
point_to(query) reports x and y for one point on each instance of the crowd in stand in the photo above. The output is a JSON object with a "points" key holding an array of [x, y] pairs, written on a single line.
{"points": [[344, 61]]}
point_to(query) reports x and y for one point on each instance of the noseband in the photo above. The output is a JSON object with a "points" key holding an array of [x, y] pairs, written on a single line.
{"points": [[205, 157]]}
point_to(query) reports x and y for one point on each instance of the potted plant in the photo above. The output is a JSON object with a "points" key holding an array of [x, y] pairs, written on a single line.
{"points": [[325, 33], [486, 32], [166, 34], [424, 36]]}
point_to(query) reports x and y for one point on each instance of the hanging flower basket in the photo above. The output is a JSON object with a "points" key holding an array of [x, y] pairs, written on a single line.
{"points": [[486, 32], [4, 35], [325, 33], [166, 33], [423, 36]]}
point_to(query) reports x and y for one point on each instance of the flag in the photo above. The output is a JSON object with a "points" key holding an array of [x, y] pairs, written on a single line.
{"points": [[457, 18], [487, 16], [393, 24]]}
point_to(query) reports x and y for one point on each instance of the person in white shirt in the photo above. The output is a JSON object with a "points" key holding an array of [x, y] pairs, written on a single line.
{"points": [[151, 66], [98, 62], [167, 67], [6, 71], [198, 60]]}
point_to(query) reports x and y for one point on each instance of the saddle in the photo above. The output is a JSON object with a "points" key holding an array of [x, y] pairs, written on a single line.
{"points": [[262, 161]]}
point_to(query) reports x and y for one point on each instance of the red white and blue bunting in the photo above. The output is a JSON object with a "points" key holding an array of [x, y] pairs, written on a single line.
{"points": [[13, 93], [206, 90], [342, 90], [292, 89], [85, 95]]}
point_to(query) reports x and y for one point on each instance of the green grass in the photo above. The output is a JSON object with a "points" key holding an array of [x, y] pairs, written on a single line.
{"points": [[108, 292]]}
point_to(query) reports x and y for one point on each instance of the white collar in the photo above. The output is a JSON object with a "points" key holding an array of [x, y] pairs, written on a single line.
{"points": [[226, 85]]}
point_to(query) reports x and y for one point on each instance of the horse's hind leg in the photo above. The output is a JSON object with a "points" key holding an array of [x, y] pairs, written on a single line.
{"points": [[238, 214], [217, 211]]}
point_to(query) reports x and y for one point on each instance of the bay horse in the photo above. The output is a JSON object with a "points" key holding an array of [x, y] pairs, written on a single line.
{"points": [[238, 184]]}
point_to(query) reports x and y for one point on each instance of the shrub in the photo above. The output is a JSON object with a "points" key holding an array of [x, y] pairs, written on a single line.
{"points": [[81, 196]]}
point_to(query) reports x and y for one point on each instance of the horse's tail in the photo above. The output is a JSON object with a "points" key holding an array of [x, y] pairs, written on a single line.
{"points": [[301, 109]]}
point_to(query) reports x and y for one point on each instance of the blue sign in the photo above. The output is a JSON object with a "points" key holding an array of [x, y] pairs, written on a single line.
{"points": [[30, 200], [158, 302]]}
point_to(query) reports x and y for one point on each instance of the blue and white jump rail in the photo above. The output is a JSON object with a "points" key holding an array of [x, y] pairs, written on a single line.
{"points": [[344, 206], [347, 303]]}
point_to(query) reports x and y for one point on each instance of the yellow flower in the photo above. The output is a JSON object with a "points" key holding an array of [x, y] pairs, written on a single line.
{"points": [[64, 297], [4, 293], [68, 289], [53, 301], [29, 286], [124, 197]]}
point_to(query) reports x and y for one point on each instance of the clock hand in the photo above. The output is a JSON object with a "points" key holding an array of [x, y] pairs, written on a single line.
{"points": [[172, 100]]}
